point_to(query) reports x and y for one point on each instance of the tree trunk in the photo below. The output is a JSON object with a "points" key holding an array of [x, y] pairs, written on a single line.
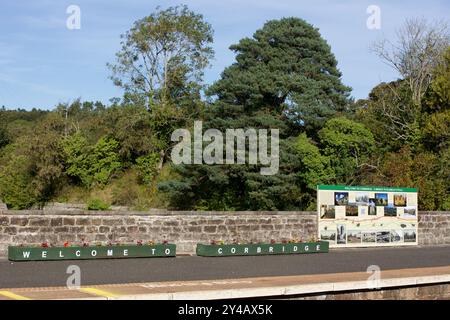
{"points": [[162, 154]]}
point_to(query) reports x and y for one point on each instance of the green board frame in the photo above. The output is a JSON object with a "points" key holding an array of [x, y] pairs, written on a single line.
{"points": [[226, 250], [365, 188], [17, 253]]}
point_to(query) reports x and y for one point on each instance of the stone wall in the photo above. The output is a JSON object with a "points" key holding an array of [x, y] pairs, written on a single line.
{"points": [[434, 227], [185, 228], [439, 291]]}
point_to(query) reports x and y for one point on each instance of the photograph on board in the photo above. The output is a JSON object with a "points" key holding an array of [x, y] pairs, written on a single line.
{"points": [[362, 199], [351, 210], [341, 198], [390, 211], [381, 199], [341, 237], [354, 237], [409, 212], [409, 235], [400, 200], [327, 212]]}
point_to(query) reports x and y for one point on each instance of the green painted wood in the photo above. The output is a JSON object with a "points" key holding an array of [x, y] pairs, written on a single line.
{"points": [[362, 188], [205, 250], [94, 252]]}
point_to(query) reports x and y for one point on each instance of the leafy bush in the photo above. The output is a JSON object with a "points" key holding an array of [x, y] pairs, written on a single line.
{"points": [[93, 165], [97, 204], [16, 189], [147, 167]]}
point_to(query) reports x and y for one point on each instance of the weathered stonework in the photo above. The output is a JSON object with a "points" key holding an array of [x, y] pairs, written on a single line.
{"points": [[419, 292], [434, 227], [185, 228]]}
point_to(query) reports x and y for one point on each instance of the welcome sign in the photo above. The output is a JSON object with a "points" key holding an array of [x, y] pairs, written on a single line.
{"points": [[361, 216], [260, 249], [94, 252]]}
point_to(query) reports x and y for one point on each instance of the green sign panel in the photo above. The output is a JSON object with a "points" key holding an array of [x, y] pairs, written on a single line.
{"points": [[260, 249], [362, 188], [94, 252]]}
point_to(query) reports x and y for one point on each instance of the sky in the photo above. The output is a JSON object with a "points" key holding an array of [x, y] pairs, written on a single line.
{"points": [[43, 63]]}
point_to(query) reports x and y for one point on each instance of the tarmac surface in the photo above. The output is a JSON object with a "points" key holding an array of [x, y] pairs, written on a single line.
{"points": [[189, 268]]}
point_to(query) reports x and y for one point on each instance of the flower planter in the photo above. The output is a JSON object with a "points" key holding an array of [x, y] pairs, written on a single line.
{"points": [[16, 253], [261, 249]]}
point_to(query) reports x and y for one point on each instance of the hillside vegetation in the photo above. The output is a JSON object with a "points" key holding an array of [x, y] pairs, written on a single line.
{"points": [[284, 77]]}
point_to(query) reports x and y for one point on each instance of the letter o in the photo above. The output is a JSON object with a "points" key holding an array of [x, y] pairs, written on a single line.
{"points": [[93, 253], [233, 250], [167, 251]]}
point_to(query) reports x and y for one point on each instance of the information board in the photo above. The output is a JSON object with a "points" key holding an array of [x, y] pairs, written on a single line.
{"points": [[350, 216]]}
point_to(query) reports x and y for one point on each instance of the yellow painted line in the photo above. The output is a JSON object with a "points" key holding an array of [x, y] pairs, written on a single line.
{"points": [[14, 296], [99, 292]]}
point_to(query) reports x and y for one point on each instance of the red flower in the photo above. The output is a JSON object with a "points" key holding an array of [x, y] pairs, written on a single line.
{"points": [[66, 244], [213, 242], [165, 242], [139, 242], [44, 245], [272, 241]]}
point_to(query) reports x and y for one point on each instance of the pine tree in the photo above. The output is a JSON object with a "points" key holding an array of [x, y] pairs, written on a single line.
{"points": [[285, 78]]}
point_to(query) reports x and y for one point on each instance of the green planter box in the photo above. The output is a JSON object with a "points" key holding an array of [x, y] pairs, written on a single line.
{"points": [[92, 252], [206, 250]]}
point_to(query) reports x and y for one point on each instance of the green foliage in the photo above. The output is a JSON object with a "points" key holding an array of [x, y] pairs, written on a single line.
{"points": [[163, 55], [315, 167], [131, 127], [4, 137], [16, 189], [147, 167], [438, 97], [284, 77], [97, 204], [286, 67], [349, 145], [92, 165]]}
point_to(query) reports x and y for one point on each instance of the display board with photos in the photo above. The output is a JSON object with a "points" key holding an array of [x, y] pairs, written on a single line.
{"points": [[367, 216]]}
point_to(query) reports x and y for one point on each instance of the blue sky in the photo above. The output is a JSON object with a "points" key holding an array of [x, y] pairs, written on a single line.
{"points": [[43, 63]]}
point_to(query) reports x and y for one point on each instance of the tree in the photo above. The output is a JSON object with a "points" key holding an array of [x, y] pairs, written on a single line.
{"points": [[416, 53], [284, 78], [16, 188], [348, 145], [4, 137], [162, 53], [161, 64], [92, 165], [436, 118], [315, 167], [391, 115], [286, 67], [47, 157]]}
